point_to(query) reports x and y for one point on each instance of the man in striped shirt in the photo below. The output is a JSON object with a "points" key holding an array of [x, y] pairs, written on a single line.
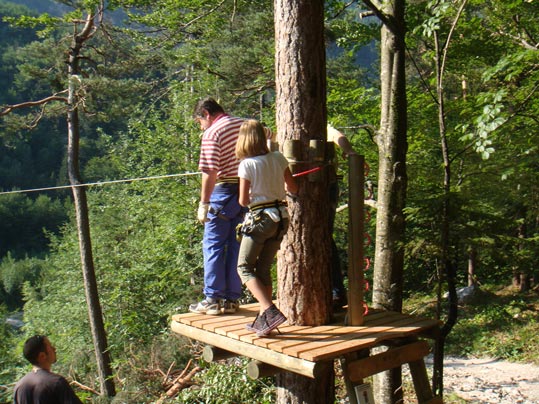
{"points": [[219, 210]]}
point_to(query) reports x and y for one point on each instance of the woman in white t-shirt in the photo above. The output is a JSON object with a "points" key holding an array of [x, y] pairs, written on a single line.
{"points": [[263, 175]]}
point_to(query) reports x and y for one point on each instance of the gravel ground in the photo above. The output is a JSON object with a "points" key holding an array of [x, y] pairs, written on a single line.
{"points": [[493, 381]]}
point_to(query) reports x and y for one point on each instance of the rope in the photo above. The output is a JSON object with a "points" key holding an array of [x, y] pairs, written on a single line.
{"points": [[312, 170], [99, 183]]}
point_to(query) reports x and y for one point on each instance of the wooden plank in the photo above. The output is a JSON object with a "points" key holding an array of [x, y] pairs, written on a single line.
{"points": [[369, 338], [187, 318], [381, 318], [210, 322], [345, 343], [358, 335], [231, 324], [391, 316], [338, 335], [300, 366], [403, 320], [233, 327], [362, 368], [297, 335], [178, 317], [247, 310], [312, 343]]}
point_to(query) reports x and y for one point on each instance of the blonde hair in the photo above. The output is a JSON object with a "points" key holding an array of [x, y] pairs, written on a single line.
{"points": [[251, 140]]}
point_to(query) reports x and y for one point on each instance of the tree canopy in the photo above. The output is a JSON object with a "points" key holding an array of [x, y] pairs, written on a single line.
{"points": [[142, 73]]}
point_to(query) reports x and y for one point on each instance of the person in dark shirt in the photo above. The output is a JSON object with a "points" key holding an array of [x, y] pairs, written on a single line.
{"points": [[41, 386]]}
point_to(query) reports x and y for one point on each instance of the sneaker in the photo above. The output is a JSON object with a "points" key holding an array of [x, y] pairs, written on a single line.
{"points": [[272, 318], [257, 324], [230, 306], [206, 306]]}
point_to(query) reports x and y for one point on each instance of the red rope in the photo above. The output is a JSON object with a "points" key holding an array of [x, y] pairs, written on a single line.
{"points": [[312, 170]]}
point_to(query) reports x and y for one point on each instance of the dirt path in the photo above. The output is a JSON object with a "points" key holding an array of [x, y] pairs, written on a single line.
{"points": [[485, 381]]}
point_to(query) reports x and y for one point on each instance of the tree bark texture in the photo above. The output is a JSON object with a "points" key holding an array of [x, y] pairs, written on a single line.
{"points": [[83, 224], [392, 182], [304, 287], [392, 145], [304, 277]]}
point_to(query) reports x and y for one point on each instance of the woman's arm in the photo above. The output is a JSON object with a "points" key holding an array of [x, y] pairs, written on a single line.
{"points": [[245, 185], [291, 185]]}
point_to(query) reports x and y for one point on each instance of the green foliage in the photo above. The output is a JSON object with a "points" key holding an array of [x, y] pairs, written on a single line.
{"points": [[14, 273], [11, 362], [141, 82], [44, 24], [228, 384], [26, 222], [486, 123], [497, 323]]}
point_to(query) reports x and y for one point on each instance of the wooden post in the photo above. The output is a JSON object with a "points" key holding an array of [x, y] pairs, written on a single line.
{"points": [[356, 221], [212, 354], [257, 369], [316, 156], [292, 152], [421, 383]]}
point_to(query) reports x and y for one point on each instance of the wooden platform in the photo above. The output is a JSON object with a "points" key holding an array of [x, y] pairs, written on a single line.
{"points": [[299, 349]]}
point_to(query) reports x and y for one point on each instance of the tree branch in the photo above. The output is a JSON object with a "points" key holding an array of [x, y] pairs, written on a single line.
{"points": [[202, 15], [448, 39], [375, 8], [9, 108]]}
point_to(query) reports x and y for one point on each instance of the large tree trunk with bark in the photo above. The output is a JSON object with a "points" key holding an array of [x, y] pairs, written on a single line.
{"points": [[304, 260], [392, 180], [81, 213]]}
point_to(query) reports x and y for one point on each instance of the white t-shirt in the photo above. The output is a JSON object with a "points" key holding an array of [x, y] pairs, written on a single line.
{"points": [[266, 175]]}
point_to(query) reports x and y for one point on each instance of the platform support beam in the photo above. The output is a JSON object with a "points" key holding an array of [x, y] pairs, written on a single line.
{"points": [[212, 354], [257, 369]]}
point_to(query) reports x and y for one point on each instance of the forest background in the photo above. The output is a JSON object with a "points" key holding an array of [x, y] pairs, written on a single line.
{"points": [[145, 69]]}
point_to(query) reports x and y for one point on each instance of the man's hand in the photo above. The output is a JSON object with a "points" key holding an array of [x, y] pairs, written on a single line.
{"points": [[202, 212]]}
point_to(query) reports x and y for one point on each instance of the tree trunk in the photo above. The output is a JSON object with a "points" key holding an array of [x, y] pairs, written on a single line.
{"points": [[472, 262], [523, 276], [81, 211], [304, 289], [392, 177], [448, 267]]}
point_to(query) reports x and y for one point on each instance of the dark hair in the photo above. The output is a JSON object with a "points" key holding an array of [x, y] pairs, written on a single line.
{"points": [[208, 104], [33, 346]]}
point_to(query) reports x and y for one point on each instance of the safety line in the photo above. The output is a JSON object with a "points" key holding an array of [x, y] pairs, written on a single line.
{"points": [[98, 183], [89, 184]]}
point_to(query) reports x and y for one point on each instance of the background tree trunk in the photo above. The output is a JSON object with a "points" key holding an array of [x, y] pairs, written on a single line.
{"points": [[392, 180], [448, 267], [303, 264], [81, 212], [472, 263]]}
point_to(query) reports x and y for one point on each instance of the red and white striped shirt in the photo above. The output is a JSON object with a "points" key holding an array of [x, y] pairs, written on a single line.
{"points": [[218, 147]]}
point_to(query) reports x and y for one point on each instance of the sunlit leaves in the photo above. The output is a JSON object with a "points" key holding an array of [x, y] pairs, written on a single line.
{"points": [[486, 123], [438, 10]]}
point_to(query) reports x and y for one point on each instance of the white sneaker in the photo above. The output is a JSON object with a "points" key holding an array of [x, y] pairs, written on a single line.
{"points": [[207, 306]]}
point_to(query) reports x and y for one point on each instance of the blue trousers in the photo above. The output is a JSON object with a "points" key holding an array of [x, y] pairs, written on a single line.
{"points": [[219, 245]]}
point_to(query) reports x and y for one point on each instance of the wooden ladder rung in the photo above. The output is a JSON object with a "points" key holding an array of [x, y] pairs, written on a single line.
{"points": [[361, 368]]}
